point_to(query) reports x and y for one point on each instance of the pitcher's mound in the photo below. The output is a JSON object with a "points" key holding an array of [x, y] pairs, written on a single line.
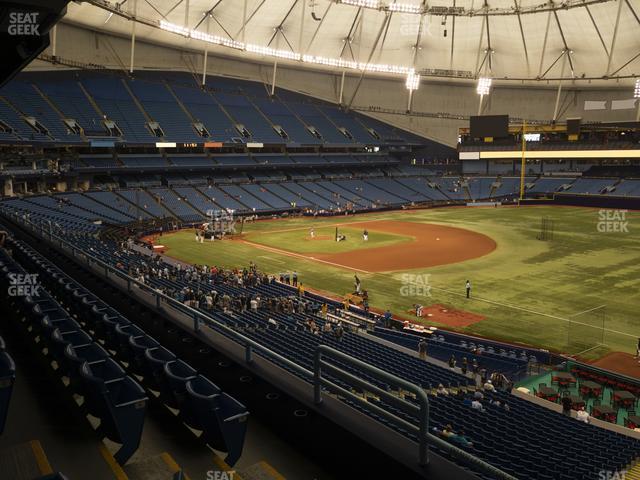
{"points": [[433, 245], [318, 237]]}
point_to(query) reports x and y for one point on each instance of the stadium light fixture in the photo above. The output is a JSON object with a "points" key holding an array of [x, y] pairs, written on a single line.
{"points": [[636, 94], [289, 55], [484, 86], [271, 52], [362, 3], [413, 81], [405, 8]]}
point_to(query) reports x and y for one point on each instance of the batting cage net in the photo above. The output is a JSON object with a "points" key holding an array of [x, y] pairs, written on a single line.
{"points": [[586, 330], [546, 229]]}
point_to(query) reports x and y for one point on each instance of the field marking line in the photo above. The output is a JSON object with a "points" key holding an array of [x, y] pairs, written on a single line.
{"points": [[271, 258], [304, 257], [586, 311], [516, 307], [588, 349]]}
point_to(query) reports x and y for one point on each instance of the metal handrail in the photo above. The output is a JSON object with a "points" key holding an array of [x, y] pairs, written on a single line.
{"points": [[424, 436], [423, 410], [197, 316]]}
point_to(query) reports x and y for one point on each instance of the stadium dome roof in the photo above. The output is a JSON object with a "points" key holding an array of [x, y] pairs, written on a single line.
{"points": [[518, 40]]}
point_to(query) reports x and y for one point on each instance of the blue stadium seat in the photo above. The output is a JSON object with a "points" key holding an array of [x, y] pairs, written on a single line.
{"points": [[7, 379], [118, 401], [154, 361], [222, 419], [176, 376], [76, 355]]}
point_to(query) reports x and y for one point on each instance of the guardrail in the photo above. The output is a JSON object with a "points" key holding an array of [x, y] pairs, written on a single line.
{"points": [[420, 411], [159, 297], [315, 377]]}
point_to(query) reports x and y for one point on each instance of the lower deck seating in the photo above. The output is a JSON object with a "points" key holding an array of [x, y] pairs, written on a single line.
{"points": [[278, 191], [267, 197], [508, 364], [175, 204], [240, 195], [556, 446]]}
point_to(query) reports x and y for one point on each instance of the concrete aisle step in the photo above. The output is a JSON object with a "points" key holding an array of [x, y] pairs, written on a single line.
{"points": [[633, 473], [157, 467], [24, 461], [259, 471]]}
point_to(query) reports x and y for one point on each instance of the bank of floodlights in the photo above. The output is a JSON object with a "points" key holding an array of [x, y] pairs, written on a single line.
{"points": [[484, 86]]}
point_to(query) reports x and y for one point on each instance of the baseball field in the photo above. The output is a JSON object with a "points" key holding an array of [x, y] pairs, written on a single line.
{"points": [[577, 292]]}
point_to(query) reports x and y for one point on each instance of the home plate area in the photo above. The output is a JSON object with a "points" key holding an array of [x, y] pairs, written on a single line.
{"points": [[445, 315]]}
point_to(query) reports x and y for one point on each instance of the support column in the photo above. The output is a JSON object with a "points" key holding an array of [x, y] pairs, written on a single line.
{"points": [[8, 187], [273, 78], [244, 20], [204, 66], [133, 36], [615, 36], [555, 109], [300, 37], [206, 53], [54, 40]]}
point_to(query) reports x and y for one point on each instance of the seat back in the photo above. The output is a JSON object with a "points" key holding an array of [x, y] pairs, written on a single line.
{"points": [[137, 347], [153, 364], [75, 356], [232, 419], [123, 333], [7, 379], [202, 398], [60, 340], [175, 378]]}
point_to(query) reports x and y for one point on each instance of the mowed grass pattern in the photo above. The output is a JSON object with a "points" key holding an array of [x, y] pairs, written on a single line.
{"points": [[526, 288]]}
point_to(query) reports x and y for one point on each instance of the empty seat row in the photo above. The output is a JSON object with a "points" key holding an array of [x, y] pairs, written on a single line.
{"points": [[7, 379], [201, 404], [109, 394]]}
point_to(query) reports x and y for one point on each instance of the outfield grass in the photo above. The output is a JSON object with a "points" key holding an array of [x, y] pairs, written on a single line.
{"points": [[299, 240], [526, 288]]}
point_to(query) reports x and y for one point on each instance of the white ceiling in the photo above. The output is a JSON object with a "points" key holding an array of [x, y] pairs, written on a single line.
{"points": [[300, 33]]}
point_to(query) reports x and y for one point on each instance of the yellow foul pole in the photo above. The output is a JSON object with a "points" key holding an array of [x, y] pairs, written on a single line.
{"points": [[522, 165]]}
